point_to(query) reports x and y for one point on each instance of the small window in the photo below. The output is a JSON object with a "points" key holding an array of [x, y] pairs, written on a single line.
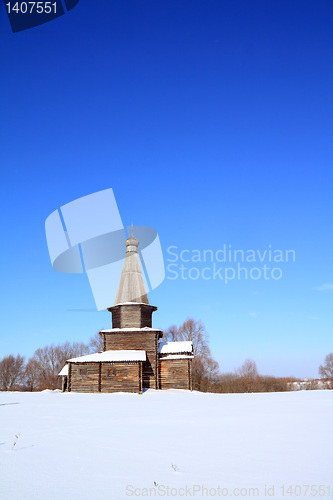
{"points": [[111, 372], [83, 371]]}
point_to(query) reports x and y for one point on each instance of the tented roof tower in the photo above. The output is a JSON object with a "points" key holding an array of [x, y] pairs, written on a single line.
{"points": [[131, 286], [131, 308]]}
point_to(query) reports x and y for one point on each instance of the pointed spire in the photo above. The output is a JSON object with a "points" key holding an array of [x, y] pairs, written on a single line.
{"points": [[131, 286]]}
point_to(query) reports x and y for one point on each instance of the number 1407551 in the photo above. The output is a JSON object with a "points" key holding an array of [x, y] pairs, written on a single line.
{"points": [[303, 490], [32, 7]]}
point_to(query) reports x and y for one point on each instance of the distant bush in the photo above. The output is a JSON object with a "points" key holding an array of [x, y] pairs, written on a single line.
{"points": [[247, 379], [272, 384], [234, 383]]}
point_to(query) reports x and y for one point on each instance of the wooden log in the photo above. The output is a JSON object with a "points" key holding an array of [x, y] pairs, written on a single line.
{"points": [[190, 374], [69, 377]]}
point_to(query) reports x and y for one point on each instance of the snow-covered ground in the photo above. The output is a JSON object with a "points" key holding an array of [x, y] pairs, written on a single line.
{"points": [[155, 445]]}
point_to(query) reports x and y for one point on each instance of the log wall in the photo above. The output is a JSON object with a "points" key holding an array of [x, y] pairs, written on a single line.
{"points": [[146, 341], [105, 377], [126, 317], [130, 376], [121, 377], [146, 316], [132, 315], [88, 382], [175, 374]]}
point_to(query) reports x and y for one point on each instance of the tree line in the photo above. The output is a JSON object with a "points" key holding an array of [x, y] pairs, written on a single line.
{"points": [[206, 375], [41, 370]]}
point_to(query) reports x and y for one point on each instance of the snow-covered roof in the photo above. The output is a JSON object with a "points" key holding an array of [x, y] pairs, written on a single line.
{"points": [[64, 371], [143, 329], [111, 356], [176, 356], [174, 347]]}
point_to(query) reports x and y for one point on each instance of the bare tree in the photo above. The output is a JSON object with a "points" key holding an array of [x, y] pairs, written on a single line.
{"points": [[96, 343], [71, 350], [190, 330], [326, 370], [48, 367], [212, 371], [199, 382], [195, 331], [31, 375], [11, 372], [51, 359], [248, 369], [171, 334], [248, 376]]}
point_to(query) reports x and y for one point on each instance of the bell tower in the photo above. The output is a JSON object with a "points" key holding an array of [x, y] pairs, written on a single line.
{"points": [[131, 308], [132, 316]]}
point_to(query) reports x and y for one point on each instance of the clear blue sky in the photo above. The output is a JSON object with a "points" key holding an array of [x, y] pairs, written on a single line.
{"points": [[212, 122]]}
